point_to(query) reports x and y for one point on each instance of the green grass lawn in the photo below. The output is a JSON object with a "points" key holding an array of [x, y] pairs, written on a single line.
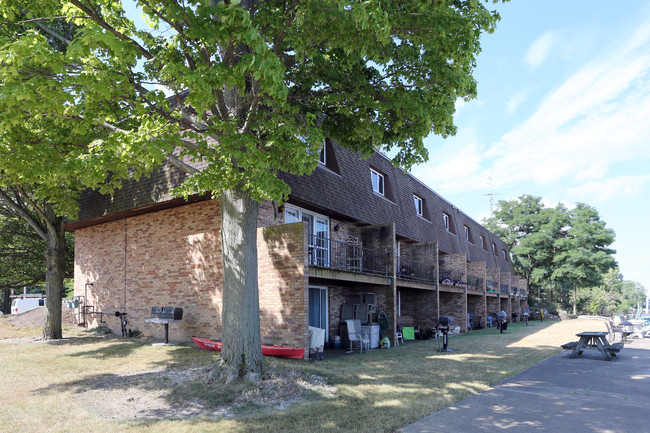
{"points": [[45, 383]]}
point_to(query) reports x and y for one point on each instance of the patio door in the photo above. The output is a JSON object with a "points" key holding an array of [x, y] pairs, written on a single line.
{"points": [[318, 316], [318, 231]]}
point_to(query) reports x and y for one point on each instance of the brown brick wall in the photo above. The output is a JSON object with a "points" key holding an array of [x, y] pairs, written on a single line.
{"points": [[282, 282], [99, 259], [455, 305], [493, 274], [493, 304], [173, 258], [424, 254], [478, 270], [421, 305], [269, 215], [476, 305], [166, 258], [456, 263], [505, 306]]}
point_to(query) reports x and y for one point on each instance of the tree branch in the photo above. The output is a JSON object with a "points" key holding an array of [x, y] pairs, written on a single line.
{"points": [[38, 210], [102, 23], [24, 214], [180, 164]]}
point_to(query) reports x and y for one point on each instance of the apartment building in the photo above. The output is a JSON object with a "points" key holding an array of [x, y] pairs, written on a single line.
{"points": [[354, 232]]}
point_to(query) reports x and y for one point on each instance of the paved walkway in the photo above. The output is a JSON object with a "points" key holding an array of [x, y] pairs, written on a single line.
{"points": [[586, 394]]}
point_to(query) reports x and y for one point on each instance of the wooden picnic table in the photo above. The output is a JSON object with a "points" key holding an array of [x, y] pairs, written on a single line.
{"points": [[592, 340]]}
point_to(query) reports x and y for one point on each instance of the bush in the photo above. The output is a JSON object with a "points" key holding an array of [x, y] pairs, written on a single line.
{"points": [[100, 330], [134, 333]]}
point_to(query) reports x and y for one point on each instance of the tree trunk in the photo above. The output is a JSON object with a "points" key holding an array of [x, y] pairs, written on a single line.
{"points": [[241, 353], [575, 300], [6, 309], [55, 271]]}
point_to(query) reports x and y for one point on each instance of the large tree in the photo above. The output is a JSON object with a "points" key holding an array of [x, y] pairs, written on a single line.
{"points": [[583, 254], [530, 230], [22, 253], [258, 85], [614, 295], [48, 150]]}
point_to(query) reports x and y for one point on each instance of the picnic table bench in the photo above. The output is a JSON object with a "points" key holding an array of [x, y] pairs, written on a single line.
{"points": [[593, 340]]}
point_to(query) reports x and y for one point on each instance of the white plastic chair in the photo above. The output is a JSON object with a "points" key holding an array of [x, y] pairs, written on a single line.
{"points": [[357, 336], [398, 338]]}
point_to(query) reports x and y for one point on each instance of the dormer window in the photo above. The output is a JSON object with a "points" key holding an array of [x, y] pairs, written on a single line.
{"points": [[494, 249], [323, 155], [445, 218], [377, 181], [468, 235], [483, 243], [419, 208]]}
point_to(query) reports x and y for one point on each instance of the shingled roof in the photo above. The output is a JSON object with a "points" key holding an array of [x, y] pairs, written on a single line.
{"points": [[348, 192], [342, 188]]}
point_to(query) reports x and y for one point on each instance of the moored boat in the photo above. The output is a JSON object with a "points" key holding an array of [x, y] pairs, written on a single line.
{"points": [[267, 349]]}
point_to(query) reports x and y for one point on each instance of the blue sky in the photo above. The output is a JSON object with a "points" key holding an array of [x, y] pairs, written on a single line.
{"points": [[563, 112]]}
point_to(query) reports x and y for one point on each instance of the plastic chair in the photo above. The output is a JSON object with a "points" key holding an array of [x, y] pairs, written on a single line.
{"points": [[398, 338], [357, 336], [488, 321]]}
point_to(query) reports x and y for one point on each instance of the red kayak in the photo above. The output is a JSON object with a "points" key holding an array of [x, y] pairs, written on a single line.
{"points": [[267, 350]]}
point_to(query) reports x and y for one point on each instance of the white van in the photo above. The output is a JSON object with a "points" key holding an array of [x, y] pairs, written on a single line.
{"points": [[22, 305]]}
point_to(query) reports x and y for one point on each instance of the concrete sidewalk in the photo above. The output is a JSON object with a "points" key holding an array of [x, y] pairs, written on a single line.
{"points": [[586, 394]]}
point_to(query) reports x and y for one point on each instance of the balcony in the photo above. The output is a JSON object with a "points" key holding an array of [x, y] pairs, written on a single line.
{"points": [[492, 286], [474, 283], [417, 271], [348, 256], [451, 278], [504, 289]]}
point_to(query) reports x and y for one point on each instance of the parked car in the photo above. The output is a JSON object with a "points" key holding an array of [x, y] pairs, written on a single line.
{"points": [[22, 305]]}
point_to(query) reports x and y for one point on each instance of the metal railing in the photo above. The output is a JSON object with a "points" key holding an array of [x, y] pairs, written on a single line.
{"points": [[451, 278], [474, 283], [347, 256], [504, 289], [414, 270]]}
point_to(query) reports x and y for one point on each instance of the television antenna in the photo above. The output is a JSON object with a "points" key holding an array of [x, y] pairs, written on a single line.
{"points": [[492, 194]]}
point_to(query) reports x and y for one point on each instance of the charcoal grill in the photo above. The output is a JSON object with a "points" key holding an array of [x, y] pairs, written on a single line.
{"points": [[165, 316], [444, 323], [502, 321]]}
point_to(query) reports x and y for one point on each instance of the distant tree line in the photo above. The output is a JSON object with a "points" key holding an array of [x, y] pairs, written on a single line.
{"points": [[564, 255]]}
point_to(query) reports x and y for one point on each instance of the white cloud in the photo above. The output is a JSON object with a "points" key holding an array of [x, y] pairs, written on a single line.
{"points": [[615, 187], [515, 101], [539, 50], [596, 118]]}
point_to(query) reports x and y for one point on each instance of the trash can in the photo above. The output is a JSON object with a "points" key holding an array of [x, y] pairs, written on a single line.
{"points": [[336, 343]]}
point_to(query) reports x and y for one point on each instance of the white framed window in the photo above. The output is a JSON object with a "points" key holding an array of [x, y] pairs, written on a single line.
{"points": [[483, 243], [494, 249], [323, 155], [445, 219], [467, 237], [377, 181], [419, 208]]}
